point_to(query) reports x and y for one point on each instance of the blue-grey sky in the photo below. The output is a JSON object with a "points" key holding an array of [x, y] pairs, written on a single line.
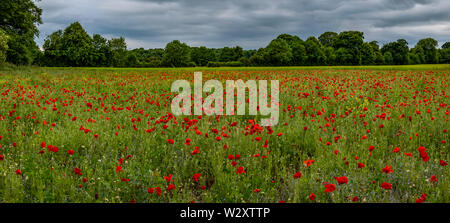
{"points": [[248, 23]]}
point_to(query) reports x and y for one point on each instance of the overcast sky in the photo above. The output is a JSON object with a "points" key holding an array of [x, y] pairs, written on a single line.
{"points": [[248, 23]]}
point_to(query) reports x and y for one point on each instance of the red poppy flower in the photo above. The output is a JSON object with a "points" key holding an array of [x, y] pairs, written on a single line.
{"points": [[312, 196], [196, 176], [388, 169], [297, 175], [170, 141], [168, 178], [240, 170], [77, 171], [330, 188], [386, 186], [341, 180], [308, 162], [195, 151], [433, 178]]}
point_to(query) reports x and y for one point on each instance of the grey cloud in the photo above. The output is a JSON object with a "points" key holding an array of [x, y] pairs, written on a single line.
{"points": [[248, 23]]}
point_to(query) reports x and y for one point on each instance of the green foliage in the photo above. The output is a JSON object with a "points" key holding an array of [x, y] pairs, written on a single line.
{"points": [[352, 42], [202, 55], [428, 50], [278, 53], [446, 45], [225, 64], [118, 48], [314, 52], [77, 45], [176, 54], [3, 46], [368, 55], [444, 55], [398, 50], [388, 59], [327, 38], [230, 54], [19, 19], [102, 51]]}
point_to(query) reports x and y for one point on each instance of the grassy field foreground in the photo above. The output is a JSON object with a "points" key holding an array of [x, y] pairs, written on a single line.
{"points": [[358, 134]]}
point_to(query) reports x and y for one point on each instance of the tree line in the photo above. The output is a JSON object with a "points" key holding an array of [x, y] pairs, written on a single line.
{"points": [[74, 47]]}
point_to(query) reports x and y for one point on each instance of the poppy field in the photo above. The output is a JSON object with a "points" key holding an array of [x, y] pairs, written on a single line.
{"points": [[108, 135]]}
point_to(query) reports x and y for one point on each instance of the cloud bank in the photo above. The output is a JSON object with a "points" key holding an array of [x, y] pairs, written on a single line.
{"points": [[248, 23]]}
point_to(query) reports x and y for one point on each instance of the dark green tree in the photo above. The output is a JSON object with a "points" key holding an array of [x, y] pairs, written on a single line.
{"points": [[297, 47], [54, 53], [388, 59], [19, 19], [314, 52], [102, 52], [327, 38], [77, 45], [176, 54], [352, 42], [202, 55], [430, 52], [446, 45], [444, 55], [119, 51], [368, 55], [278, 53], [398, 50]]}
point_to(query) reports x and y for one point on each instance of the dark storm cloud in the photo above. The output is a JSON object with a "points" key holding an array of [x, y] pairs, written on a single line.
{"points": [[248, 23]]}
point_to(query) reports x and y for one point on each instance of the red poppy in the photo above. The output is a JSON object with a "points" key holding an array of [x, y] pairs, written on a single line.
{"points": [[386, 186], [433, 178], [308, 162], [330, 188], [341, 180], [388, 169], [168, 178], [195, 151], [196, 176], [77, 171], [312, 196], [297, 175], [240, 170]]}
